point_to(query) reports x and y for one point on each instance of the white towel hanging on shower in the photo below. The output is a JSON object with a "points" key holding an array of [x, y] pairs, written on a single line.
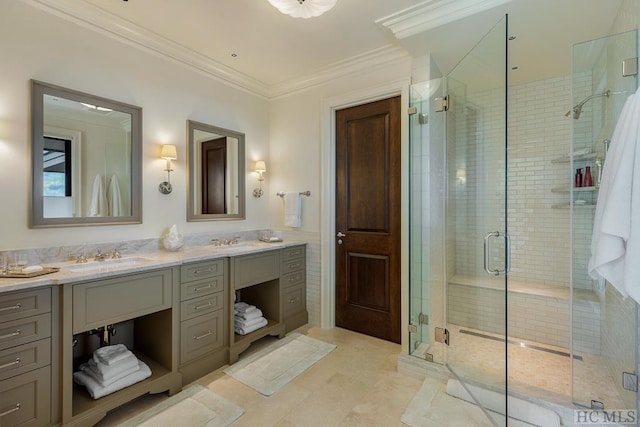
{"points": [[98, 206], [615, 244]]}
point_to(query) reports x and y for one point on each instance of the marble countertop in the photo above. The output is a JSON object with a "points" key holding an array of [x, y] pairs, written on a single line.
{"points": [[72, 272]]}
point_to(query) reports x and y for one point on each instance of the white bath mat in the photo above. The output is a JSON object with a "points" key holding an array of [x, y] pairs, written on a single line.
{"points": [[193, 407], [271, 368]]}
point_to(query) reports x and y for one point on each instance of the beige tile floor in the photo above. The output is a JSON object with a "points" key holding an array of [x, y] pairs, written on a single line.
{"points": [[355, 385], [533, 372]]}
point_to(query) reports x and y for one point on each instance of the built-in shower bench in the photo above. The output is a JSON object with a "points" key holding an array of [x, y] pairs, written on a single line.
{"points": [[537, 312]]}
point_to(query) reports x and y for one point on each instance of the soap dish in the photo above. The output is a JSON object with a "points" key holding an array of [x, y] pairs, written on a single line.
{"points": [[21, 275], [270, 239]]}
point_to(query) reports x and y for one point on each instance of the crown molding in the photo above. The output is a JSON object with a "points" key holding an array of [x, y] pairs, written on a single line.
{"points": [[368, 61], [96, 19], [432, 14]]}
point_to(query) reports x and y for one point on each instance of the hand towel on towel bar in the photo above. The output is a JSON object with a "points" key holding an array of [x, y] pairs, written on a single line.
{"points": [[615, 244], [114, 197], [292, 209], [98, 205]]}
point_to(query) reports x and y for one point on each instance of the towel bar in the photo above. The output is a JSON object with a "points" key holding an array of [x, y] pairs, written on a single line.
{"points": [[302, 193]]}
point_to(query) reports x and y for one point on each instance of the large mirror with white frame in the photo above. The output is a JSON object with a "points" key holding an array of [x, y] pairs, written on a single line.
{"points": [[86, 159], [215, 178]]}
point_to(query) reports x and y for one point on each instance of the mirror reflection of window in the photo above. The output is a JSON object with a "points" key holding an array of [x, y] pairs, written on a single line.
{"points": [[57, 167], [80, 140]]}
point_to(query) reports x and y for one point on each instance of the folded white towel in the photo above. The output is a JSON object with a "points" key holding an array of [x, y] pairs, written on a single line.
{"points": [[97, 391], [292, 209], [111, 354], [249, 315], [247, 329], [89, 368], [107, 372], [243, 307], [247, 323]]}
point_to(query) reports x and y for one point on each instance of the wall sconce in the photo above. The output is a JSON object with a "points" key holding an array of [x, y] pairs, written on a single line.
{"points": [[260, 167], [168, 153]]}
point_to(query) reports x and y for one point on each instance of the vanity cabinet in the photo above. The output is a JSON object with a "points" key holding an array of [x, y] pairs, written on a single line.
{"points": [[293, 283], [142, 306], [25, 358], [256, 281], [203, 316]]}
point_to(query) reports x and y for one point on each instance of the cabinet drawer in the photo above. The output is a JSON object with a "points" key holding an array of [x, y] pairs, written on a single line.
{"points": [[104, 302], [203, 305], [202, 287], [253, 269], [200, 270], [25, 401], [294, 300], [24, 358], [293, 265], [201, 335], [22, 331], [293, 252], [24, 304], [293, 279]]}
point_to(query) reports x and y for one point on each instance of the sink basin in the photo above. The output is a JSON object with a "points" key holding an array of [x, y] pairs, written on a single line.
{"points": [[105, 265]]}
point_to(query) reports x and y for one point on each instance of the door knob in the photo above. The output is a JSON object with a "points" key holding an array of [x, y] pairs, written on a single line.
{"points": [[341, 234]]}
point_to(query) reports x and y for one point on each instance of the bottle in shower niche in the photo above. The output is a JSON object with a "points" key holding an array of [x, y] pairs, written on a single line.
{"points": [[587, 179], [577, 182]]}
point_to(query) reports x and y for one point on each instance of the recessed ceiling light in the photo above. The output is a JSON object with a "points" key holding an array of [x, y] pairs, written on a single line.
{"points": [[234, 55], [514, 68], [512, 37]]}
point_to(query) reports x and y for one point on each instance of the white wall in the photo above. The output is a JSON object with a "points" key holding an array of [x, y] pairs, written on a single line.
{"points": [[37, 45]]}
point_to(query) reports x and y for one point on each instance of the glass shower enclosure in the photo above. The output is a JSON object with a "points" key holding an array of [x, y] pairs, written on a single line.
{"points": [[500, 236]]}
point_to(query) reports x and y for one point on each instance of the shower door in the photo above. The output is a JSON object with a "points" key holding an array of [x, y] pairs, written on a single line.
{"points": [[605, 324], [459, 247]]}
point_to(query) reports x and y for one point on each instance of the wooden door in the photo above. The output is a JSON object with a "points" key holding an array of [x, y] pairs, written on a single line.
{"points": [[214, 176], [368, 215]]}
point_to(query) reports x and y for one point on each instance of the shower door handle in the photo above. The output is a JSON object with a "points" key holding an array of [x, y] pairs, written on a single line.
{"points": [[507, 261]]}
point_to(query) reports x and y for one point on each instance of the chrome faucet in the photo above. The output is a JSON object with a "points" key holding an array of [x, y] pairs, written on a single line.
{"points": [[81, 259], [100, 256], [116, 253]]}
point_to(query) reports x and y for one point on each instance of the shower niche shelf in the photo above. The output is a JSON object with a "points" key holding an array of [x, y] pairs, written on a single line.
{"points": [[575, 206], [579, 158], [566, 190]]}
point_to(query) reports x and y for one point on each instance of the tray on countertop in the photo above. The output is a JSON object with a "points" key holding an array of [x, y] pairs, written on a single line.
{"points": [[19, 275]]}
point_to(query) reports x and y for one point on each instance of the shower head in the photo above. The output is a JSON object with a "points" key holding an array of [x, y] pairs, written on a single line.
{"points": [[577, 109]]}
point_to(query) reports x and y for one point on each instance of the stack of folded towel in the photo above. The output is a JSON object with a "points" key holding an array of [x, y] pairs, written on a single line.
{"points": [[111, 368], [247, 318]]}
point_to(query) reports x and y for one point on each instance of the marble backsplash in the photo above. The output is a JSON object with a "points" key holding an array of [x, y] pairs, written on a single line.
{"points": [[69, 253]]}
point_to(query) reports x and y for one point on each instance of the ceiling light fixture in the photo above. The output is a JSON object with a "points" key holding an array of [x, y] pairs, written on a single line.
{"points": [[303, 8]]}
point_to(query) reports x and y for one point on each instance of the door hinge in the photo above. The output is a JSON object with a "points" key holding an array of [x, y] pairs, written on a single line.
{"points": [[423, 319], [412, 329], [442, 104], [630, 381], [442, 335], [412, 110], [630, 67]]}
